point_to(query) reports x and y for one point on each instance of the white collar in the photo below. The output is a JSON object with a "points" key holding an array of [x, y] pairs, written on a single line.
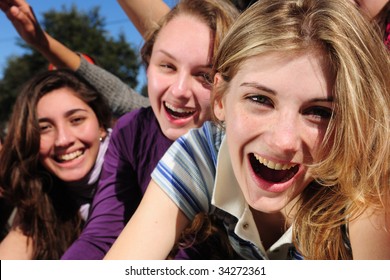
{"points": [[228, 196]]}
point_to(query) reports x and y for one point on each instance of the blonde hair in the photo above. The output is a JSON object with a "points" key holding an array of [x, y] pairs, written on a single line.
{"points": [[354, 171]]}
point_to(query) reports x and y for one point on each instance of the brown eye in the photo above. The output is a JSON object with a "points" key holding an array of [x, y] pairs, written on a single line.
{"points": [[77, 120], [44, 127]]}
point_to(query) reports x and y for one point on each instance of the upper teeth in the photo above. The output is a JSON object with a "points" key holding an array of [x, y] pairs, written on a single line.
{"points": [[273, 165], [179, 110], [70, 156]]}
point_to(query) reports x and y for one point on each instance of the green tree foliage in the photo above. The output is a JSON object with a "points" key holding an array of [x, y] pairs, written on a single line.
{"points": [[81, 31]]}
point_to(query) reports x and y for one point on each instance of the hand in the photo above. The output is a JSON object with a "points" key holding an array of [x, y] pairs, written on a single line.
{"points": [[25, 22]]}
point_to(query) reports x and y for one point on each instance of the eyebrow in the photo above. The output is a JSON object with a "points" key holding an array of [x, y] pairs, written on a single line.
{"points": [[172, 57], [259, 87], [67, 114], [271, 91]]}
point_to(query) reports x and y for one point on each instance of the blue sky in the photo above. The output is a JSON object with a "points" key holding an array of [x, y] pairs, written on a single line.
{"points": [[116, 21]]}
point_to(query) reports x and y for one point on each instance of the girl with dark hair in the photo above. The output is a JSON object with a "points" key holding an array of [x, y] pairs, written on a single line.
{"points": [[50, 163]]}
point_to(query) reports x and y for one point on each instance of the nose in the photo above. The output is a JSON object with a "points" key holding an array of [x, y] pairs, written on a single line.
{"points": [[64, 136], [285, 134], [181, 87]]}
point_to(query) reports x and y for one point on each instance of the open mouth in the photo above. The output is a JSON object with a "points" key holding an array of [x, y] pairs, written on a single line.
{"points": [[271, 171], [178, 113], [69, 157]]}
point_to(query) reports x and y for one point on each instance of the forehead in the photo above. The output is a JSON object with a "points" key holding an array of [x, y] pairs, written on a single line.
{"points": [[184, 22], [291, 73], [185, 33], [59, 100]]}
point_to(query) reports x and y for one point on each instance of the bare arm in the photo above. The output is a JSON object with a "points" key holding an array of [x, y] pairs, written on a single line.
{"points": [[16, 246], [25, 22], [153, 229], [370, 236], [144, 13]]}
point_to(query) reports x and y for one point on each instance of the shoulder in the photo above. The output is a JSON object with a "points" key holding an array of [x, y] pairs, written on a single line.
{"points": [[135, 118], [370, 235], [203, 141], [194, 154]]}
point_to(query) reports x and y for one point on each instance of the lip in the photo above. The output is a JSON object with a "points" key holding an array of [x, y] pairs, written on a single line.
{"points": [[272, 186], [182, 120]]}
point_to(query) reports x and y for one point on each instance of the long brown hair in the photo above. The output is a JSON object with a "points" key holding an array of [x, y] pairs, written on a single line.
{"points": [[45, 212]]}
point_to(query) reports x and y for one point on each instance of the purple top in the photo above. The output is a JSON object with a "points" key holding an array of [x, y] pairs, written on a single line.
{"points": [[136, 146]]}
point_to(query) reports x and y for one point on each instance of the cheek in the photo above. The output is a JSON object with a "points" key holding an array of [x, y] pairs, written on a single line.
{"points": [[314, 141], [202, 96], [241, 131], [44, 153], [91, 133], [157, 82], [240, 121], [45, 146]]}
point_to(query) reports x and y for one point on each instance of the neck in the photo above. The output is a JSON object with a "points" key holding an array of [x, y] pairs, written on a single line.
{"points": [[271, 226]]}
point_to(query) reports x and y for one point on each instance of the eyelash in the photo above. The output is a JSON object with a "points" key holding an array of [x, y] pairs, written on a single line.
{"points": [[205, 76], [77, 120], [74, 121], [166, 66], [261, 99], [318, 112], [43, 128]]}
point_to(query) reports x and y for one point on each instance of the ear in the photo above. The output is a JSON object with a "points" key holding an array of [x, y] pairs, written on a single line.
{"points": [[219, 111], [103, 133]]}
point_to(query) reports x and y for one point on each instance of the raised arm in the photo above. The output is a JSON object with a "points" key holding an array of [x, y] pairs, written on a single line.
{"points": [[22, 16], [120, 96], [144, 13], [153, 229]]}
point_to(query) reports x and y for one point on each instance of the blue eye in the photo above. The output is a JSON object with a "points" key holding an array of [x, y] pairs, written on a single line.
{"points": [[261, 99]]}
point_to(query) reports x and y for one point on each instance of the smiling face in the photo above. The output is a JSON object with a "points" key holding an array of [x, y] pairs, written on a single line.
{"points": [[276, 112], [178, 90], [70, 133]]}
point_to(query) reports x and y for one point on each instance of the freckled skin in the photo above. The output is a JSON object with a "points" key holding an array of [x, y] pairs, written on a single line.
{"points": [[276, 112]]}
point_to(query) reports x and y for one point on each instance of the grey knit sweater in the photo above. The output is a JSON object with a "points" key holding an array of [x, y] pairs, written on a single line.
{"points": [[121, 98]]}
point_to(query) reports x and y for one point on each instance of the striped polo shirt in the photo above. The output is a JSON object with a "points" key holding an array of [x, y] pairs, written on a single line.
{"points": [[191, 177]]}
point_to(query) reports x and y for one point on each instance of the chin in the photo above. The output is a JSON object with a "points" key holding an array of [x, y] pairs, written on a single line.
{"points": [[71, 178]]}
